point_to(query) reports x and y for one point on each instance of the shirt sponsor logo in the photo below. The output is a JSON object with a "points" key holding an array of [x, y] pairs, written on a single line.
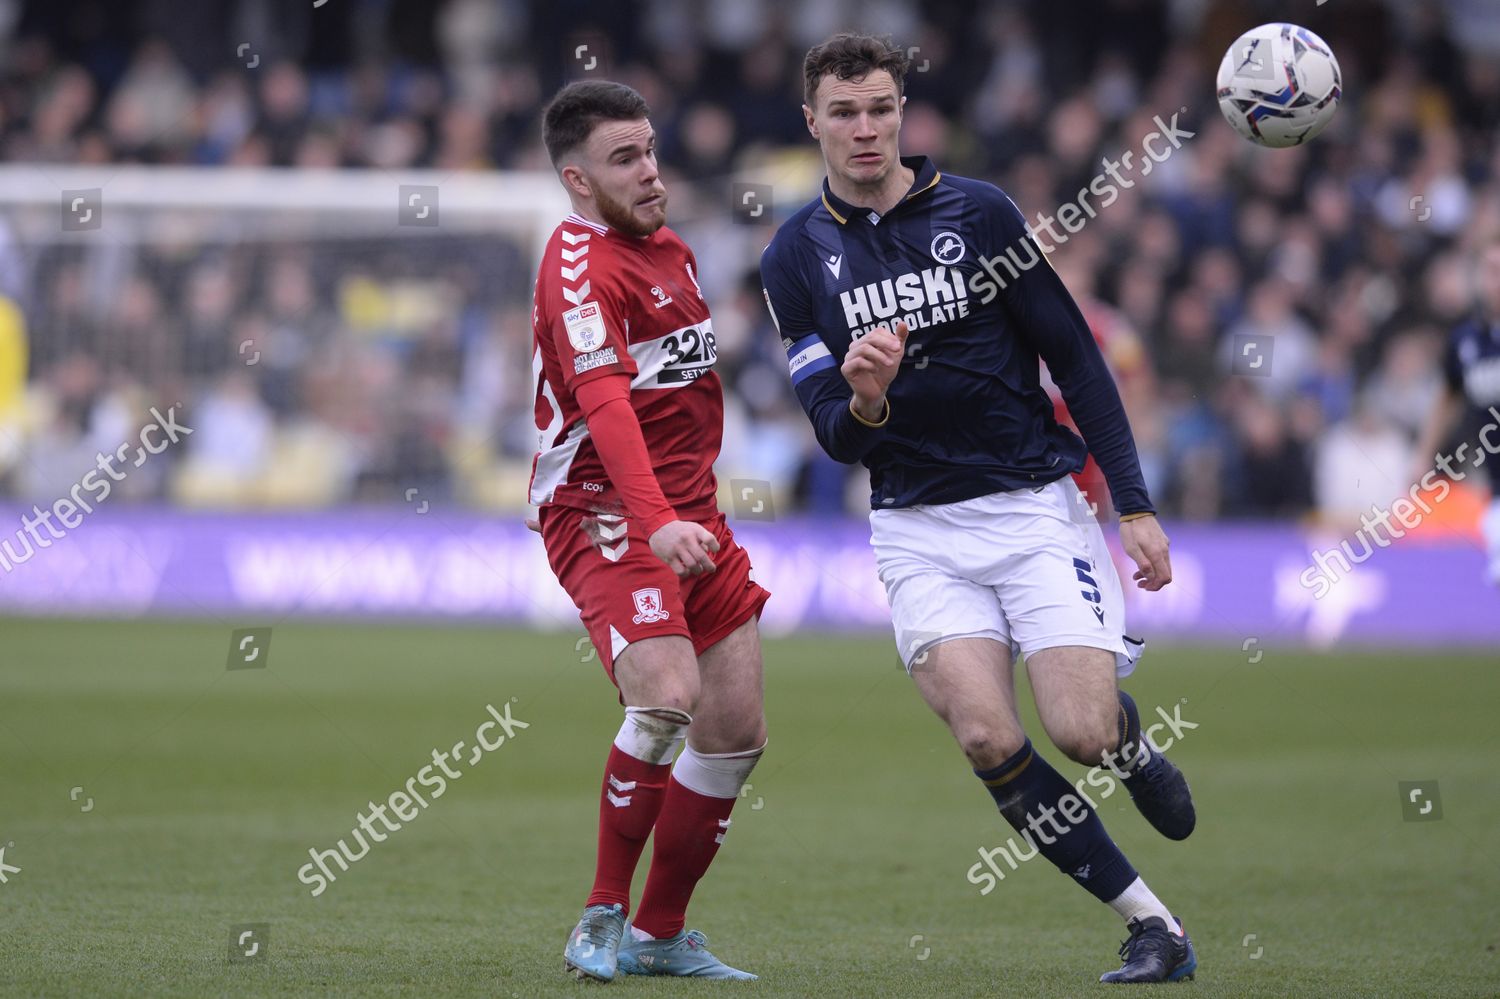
{"points": [[596, 359], [677, 358], [920, 298], [585, 326], [691, 354]]}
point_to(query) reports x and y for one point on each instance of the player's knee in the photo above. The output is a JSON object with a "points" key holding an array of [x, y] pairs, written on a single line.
{"points": [[735, 736], [661, 672], [679, 695], [988, 746], [754, 735], [675, 690], [1088, 745]]}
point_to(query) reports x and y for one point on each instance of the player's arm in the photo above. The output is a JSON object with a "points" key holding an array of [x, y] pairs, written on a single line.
{"points": [[687, 548], [1044, 312], [597, 369], [845, 402]]}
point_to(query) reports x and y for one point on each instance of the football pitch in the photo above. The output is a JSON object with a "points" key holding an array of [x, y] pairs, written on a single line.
{"points": [[154, 804]]}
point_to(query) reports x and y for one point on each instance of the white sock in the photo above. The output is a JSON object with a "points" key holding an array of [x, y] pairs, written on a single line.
{"points": [[1138, 902], [640, 934]]}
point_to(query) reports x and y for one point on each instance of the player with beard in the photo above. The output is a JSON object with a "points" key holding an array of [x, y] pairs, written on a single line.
{"points": [[630, 414]]}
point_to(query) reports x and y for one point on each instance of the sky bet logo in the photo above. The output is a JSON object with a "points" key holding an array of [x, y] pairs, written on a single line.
{"points": [[927, 298]]}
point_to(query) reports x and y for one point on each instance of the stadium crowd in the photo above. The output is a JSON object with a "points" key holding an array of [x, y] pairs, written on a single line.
{"points": [[380, 371]]}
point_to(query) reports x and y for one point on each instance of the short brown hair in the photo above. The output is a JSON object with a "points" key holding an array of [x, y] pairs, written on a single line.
{"points": [[571, 116], [847, 56]]}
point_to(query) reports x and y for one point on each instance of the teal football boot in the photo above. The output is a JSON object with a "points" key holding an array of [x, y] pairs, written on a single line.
{"points": [[684, 955], [594, 945]]}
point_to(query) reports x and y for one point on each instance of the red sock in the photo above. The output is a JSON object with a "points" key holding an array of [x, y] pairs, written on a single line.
{"points": [[688, 834], [629, 802]]}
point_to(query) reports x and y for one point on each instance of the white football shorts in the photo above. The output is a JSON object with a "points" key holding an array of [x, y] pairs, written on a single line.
{"points": [[1028, 568]]}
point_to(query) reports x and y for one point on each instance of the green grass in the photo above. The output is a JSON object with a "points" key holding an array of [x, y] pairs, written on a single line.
{"points": [[210, 786]]}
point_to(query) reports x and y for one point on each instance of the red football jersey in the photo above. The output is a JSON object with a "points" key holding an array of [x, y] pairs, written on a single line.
{"points": [[606, 303]]}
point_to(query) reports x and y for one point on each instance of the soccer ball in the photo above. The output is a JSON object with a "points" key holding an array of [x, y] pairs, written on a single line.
{"points": [[1279, 85]]}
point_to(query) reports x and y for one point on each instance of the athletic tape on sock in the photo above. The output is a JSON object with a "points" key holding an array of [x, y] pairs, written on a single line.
{"points": [[653, 735], [715, 775]]}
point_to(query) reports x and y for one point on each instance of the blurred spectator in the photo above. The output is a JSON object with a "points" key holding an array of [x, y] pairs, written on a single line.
{"points": [[230, 447], [325, 367], [1360, 463]]}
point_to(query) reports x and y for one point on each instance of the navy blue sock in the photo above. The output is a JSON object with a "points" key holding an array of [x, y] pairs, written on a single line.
{"points": [[1056, 820], [1130, 733]]}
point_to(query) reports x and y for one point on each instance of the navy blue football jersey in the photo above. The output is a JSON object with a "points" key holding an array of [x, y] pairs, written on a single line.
{"points": [[1472, 368], [968, 414]]}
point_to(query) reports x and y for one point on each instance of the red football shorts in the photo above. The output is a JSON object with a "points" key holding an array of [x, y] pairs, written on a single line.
{"points": [[624, 593]]}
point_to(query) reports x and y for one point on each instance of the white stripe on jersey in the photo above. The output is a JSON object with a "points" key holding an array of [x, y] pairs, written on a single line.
{"points": [[675, 359], [598, 227], [552, 464]]}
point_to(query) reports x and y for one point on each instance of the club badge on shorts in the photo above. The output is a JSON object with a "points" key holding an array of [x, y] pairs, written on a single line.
{"points": [[648, 605]]}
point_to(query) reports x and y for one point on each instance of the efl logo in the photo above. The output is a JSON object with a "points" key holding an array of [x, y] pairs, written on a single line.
{"points": [[585, 327]]}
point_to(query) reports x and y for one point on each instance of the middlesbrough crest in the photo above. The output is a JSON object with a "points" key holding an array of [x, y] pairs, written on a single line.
{"points": [[648, 606]]}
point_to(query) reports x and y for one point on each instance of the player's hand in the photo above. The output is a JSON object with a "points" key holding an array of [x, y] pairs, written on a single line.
{"points": [[1146, 544], [532, 524], [687, 548], [871, 366]]}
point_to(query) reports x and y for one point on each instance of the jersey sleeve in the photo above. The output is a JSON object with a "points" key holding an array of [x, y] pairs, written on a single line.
{"points": [[820, 387], [588, 325], [1044, 313], [616, 432]]}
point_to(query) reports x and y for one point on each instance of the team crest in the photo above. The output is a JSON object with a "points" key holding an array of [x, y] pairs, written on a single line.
{"points": [[947, 248], [648, 606]]}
